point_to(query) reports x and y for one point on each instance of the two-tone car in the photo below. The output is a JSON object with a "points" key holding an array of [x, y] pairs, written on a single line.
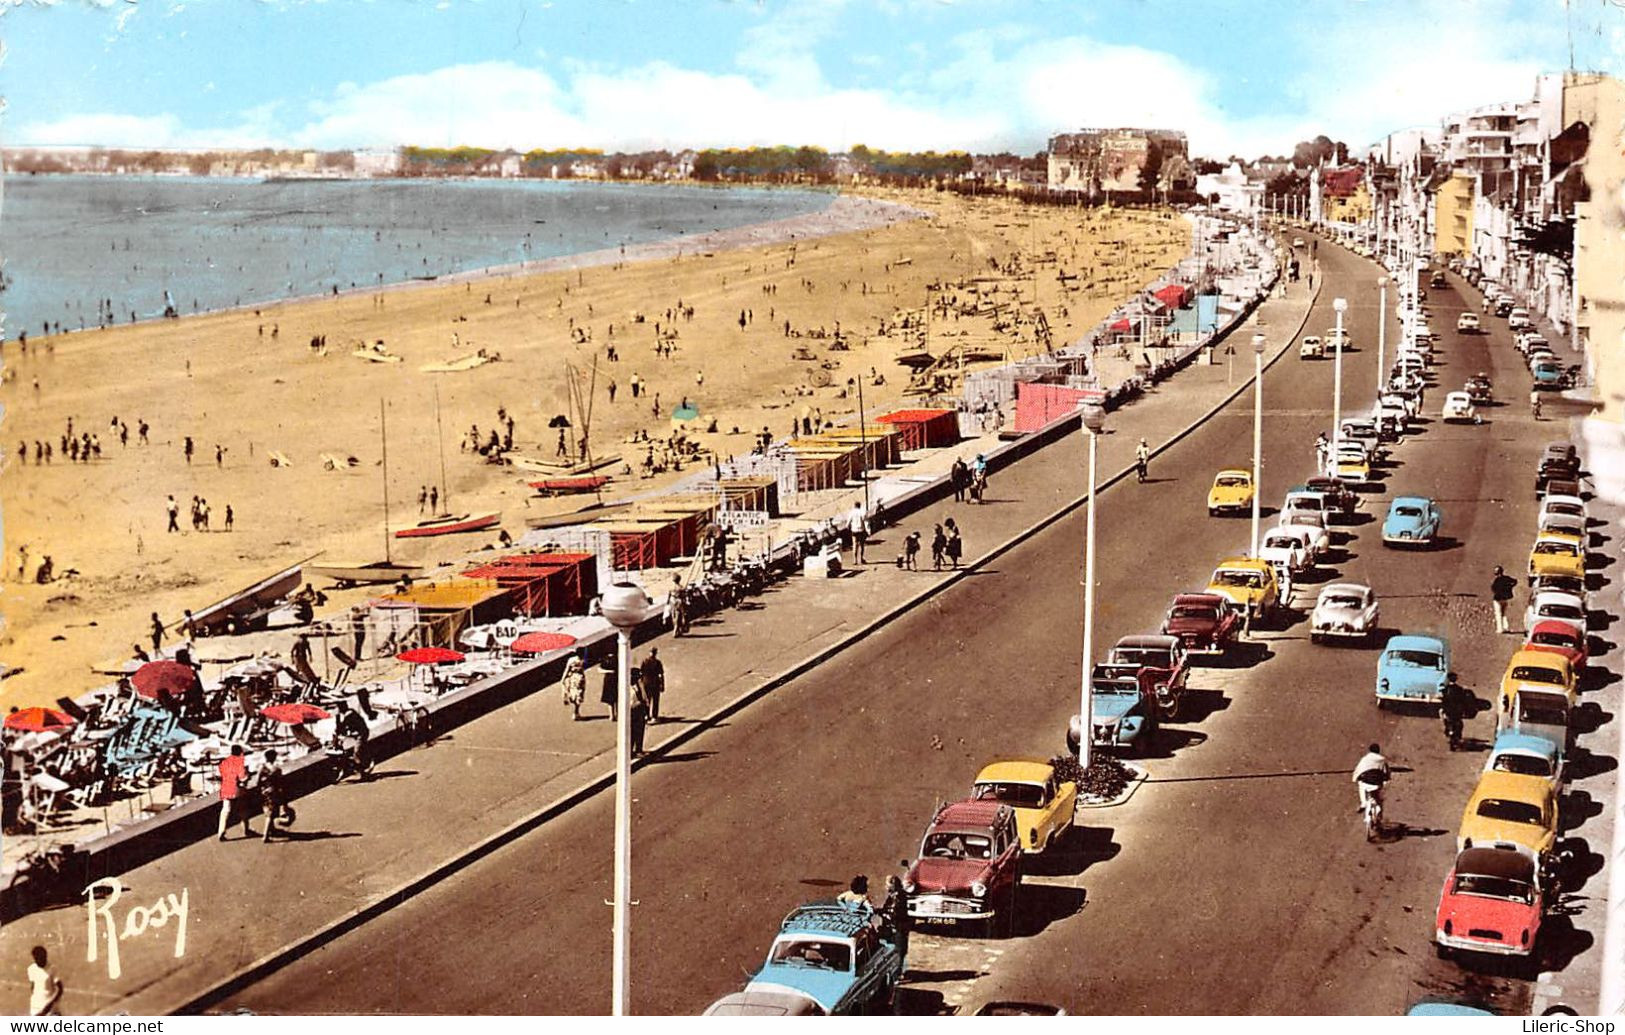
{"points": [[1480, 389], [1206, 623], [1492, 903], [1160, 662], [1043, 802], [1559, 638], [828, 959], [1123, 711], [1510, 810], [1528, 754], [969, 867], [1345, 611], [1232, 493], [1351, 463], [1555, 553], [1412, 521], [1531, 672], [1413, 669]]}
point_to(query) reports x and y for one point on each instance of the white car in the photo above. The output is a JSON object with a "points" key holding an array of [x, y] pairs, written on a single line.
{"points": [[1552, 606], [1345, 610], [1287, 547], [1573, 506], [1459, 406], [1518, 319], [1311, 348], [1304, 501], [1467, 323], [1563, 524], [1313, 526]]}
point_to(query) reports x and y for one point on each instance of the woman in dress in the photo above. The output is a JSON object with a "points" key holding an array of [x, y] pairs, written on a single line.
{"points": [[575, 684]]}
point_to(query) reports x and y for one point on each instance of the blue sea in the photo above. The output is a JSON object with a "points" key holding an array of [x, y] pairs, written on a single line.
{"points": [[78, 247]]}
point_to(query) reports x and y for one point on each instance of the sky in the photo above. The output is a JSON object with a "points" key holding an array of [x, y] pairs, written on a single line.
{"points": [[1247, 77]]}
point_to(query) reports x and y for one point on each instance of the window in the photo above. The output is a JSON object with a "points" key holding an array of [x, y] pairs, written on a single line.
{"points": [[812, 952], [1537, 674], [958, 846], [1494, 887], [1524, 765], [1510, 811], [1021, 795], [1416, 659]]}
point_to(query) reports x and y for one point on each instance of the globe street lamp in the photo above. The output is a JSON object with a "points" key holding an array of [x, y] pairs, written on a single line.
{"points": [[1094, 420], [625, 605], [1258, 427], [1339, 306], [1382, 331]]}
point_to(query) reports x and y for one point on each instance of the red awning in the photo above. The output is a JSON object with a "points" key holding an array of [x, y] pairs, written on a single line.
{"points": [[294, 713], [541, 642], [1173, 295], [430, 655], [1122, 325]]}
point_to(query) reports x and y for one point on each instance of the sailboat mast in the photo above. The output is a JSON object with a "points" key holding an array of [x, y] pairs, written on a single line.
{"points": [[383, 432], [440, 439]]}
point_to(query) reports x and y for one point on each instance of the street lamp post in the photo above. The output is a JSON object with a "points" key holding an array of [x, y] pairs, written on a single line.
{"points": [[1258, 428], [625, 605], [1094, 420], [1382, 331], [1339, 306]]}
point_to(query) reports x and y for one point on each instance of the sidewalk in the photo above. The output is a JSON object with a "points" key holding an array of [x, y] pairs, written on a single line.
{"points": [[358, 849]]}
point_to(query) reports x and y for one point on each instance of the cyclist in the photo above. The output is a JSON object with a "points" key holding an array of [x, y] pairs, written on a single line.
{"points": [[1142, 458], [1453, 706], [1370, 774]]}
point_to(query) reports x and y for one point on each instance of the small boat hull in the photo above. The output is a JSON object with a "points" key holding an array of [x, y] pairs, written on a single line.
{"points": [[476, 523], [376, 573]]}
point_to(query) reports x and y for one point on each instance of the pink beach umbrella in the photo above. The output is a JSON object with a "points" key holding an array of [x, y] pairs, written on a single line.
{"points": [[541, 642]]}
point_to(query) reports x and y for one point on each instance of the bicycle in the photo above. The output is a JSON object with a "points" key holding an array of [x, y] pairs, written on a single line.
{"points": [[1371, 810]]}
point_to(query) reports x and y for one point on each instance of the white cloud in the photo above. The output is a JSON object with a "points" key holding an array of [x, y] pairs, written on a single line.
{"points": [[108, 129]]}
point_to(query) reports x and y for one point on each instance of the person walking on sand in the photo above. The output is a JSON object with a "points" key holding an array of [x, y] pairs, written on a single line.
{"points": [[434, 499], [612, 387], [654, 682], [575, 684], [955, 546], [188, 448], [608, 691], [141, 431], [635, 383], [1501, 587], [423, 498], [857, 522], [231, 518], [233, 771], [939, 544], [219, 455], [174, 511], [563, 449], [157, 632], [44, 987]]}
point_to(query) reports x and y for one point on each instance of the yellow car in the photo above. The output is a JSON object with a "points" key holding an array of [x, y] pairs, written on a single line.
{"points": [[1232, 492], [1352, 465], [1538, 671], [1510, 810], [1043, 804], [1248, 583], [1556, 553]]}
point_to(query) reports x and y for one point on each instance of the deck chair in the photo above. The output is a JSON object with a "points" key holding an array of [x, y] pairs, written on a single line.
{"points": [[305, 738]]}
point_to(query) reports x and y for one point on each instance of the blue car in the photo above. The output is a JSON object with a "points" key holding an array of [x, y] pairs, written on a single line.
{"points": [[828, 958], [1122, 710], [1411, 521], [1413, 669], [1529, 754]]}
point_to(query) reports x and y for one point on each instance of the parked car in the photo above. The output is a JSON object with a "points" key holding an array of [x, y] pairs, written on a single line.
{"points": [[1341, 500], [1302, 500], [1532, 673], [1159, 661], [1557, 483], [1557, 554], [969, 867], [1123, 711], [1249, 583], [1527, 755], [825, 952], [1287, 548], [1312, 347], [1547, 373], [1412, 521], [1503, 307], [1368, 433], [1557, 465], [1507, 810], [1352, 464], [1547, 605], [1566, 584], [1562, 524], [1313, 524], [1437, 280], [1345, 610], [1518, 318], [1413, 668], [1206, 623], [1572, 506], [1458, 407], [1492, 903], [1044, 803], [1232, 492]]}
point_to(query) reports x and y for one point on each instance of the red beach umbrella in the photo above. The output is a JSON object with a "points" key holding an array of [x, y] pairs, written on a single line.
{"points": [[38, 720], [294, 713], [541, 642], [430, 655], [156, 676]]}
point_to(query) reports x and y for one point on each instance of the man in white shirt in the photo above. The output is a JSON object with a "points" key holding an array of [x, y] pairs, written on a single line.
{"points": [[858, 524], [45, 988]]}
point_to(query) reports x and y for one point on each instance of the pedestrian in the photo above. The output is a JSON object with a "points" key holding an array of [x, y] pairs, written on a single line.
{"points": [[123, 435], [423, 498], [955, 546], [233, 772], [639, 716], [141, 431], [562, 450], [434, 499], [959, 476], [351, 732], [273, 795], [44, 987], [894, 913], [857, 895], [654, 682], [857, 524], [1455, 706], [1142, 460], [231, 518], [608, 691], [911, 552], [575, 684], [939, 544], [188, 625], [1322, 449], [1501, 587], [203, 513], [219, 455], [188, 448], [699, 379], [157, 632], [612, 387]]}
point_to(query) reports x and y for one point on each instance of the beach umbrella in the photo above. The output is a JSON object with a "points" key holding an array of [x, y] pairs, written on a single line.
{"points": [[38, 720], [158, 677], [294, 713], [430, 655], [541, 642], [559, 421]]}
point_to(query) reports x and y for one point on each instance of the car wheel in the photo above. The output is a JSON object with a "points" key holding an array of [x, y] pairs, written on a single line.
{"points": [[1212, 512], [1314, 638], [1444, 952]]}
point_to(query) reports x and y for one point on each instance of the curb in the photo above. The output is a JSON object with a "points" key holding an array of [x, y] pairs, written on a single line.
{"points": [[279, 958]]}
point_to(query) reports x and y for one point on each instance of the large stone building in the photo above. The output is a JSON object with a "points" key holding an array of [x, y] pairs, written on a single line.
{"points": [[1095, 160]]}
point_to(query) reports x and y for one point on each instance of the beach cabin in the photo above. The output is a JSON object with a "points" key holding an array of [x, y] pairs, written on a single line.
{"points": [[924, 429], [434, 614]]}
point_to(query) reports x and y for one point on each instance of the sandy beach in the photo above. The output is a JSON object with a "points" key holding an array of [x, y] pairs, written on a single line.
{"points": [[746, 318]]}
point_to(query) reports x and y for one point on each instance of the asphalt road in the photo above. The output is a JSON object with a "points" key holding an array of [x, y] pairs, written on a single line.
{"points": [[1237, 880]]}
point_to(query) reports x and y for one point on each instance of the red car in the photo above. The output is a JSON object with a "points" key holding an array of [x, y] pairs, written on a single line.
{"points": [[1160, 663], [1559, 638], [1206, 623], [1492, 903], [969, 867]]}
